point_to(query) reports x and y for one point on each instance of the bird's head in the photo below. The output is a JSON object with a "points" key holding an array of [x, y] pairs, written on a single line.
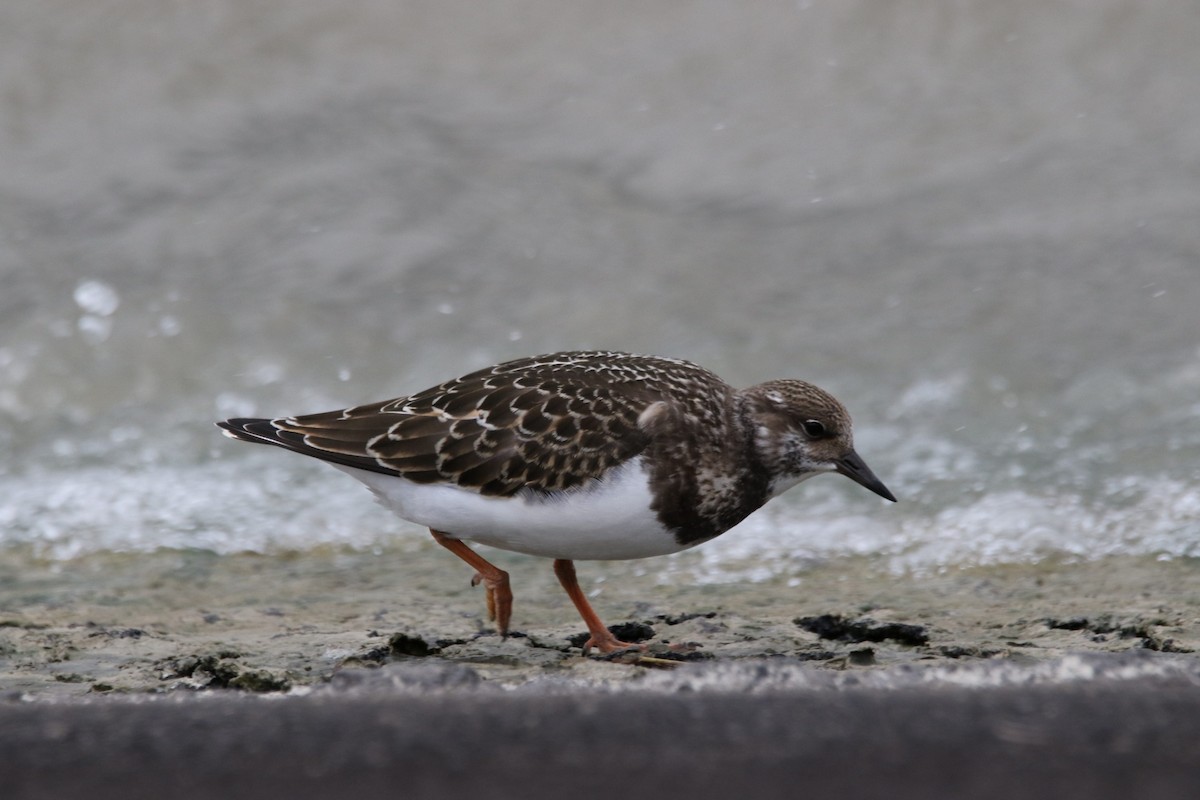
{"points": [[800, 430]]}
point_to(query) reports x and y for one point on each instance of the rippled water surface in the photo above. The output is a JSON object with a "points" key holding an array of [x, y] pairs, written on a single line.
{"points": [[975, 223]]}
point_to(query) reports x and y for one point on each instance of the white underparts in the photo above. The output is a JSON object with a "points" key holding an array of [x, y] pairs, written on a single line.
{"points": [[607, 520]]}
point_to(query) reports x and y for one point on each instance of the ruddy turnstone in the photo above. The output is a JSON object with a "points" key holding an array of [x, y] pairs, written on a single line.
{"points": [[578, 456]]}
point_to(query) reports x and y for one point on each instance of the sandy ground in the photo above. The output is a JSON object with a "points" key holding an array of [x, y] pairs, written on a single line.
{"points": [[185, 621]]}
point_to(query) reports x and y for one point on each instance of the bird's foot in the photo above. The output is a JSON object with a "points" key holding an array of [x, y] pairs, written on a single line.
{"points": [[494, 579], [608, 643], [499, 598]]}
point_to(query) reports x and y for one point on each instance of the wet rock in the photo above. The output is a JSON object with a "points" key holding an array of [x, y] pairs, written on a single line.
{"points": [[260, 680], [221, 671], [203, 672]]}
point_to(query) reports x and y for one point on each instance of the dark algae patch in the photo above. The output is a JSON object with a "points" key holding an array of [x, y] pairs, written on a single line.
{"points": [[1104, 626], [864, 629], [403, 644]]}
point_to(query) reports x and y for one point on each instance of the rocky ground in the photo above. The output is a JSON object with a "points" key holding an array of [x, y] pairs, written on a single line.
{"points": [[193, 621]]}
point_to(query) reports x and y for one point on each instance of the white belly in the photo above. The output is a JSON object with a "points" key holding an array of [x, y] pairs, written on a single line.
{"points": [[607, 521]]}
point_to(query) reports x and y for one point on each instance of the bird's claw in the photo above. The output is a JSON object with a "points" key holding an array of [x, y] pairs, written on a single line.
{"points": [[499, 599]]}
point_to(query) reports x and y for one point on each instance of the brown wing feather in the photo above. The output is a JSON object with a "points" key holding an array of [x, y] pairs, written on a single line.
{"points": [[545, 423]]}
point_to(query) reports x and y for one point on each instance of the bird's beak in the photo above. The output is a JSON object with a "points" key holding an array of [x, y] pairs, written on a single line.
{"points": [[853, 467]]}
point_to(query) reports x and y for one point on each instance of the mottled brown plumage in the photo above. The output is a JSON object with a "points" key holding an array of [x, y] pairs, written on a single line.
{"points": [[569, 428], [555, 422], [546, 424]]}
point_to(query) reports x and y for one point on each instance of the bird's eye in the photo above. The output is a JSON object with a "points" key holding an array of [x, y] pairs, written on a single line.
{"points": [[814, 428]]}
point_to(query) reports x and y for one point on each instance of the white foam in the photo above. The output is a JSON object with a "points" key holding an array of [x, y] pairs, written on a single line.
{"points": [[96, 297], [218, 506], [1006, 527], [264, 502]]}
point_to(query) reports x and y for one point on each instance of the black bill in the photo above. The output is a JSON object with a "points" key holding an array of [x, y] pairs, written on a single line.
{"points": [[854, 468]]}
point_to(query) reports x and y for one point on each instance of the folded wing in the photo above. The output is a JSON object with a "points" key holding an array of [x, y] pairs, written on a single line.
{"points": [[496, 433]]}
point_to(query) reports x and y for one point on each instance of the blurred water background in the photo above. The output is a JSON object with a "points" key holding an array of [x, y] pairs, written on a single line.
{"points": [[976, 223]]}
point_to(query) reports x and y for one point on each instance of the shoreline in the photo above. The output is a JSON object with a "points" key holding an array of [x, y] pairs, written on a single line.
{"points": [[335, 673], [188, 620]]}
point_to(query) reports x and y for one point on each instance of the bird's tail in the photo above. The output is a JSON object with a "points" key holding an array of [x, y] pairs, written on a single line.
{"points": [[246, 429]]}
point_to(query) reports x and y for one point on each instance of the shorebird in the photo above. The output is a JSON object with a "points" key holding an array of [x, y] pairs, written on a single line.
{"points": [[578, 456]]}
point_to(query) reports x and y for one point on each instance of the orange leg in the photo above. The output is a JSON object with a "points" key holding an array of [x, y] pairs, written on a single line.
{"points": [[494, 580], [601, 637]]}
